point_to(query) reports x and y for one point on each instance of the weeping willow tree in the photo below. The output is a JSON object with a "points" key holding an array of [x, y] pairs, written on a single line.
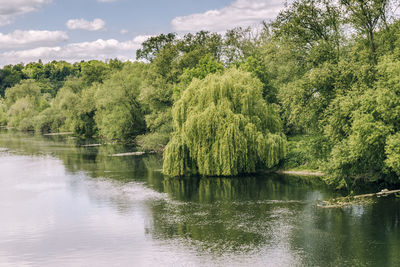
{"points": [[223, 127]]}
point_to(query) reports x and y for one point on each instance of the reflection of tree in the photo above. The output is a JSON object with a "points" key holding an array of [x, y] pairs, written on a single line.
{"points": [[208, 190], [153, 164], [184, 189], [358, 235], [229, 214], [95, 161]]}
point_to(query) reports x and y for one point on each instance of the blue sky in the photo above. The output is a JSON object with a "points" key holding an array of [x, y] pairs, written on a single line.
{"points": [[75, 30]]}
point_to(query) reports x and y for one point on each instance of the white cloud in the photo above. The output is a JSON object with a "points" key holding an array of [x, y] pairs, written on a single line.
{"points": [[239, 13], [123, 31], [10, 9], [31, 38], [74, 52], [82, 24]]}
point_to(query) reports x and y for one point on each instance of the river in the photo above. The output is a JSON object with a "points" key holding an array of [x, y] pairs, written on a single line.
{"points": [[62, 204]]}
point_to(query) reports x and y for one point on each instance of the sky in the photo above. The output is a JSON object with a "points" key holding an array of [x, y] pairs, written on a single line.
{"points": [[75, 30]]}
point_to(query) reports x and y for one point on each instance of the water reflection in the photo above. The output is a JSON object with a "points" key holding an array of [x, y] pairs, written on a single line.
{"points": [[250, 188], [64, 204]]}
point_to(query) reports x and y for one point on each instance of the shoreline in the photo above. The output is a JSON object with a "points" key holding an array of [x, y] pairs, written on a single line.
{"points": [[301, 173]]}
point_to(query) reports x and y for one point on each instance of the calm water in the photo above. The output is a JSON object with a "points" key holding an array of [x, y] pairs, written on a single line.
{"points": [[62, 204]]}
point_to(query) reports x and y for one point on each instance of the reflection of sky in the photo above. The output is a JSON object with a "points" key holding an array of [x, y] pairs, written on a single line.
{"points": [[46, 219]]}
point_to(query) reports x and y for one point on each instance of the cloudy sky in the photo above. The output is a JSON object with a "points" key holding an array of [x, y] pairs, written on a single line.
{"points": [[75, 30]]}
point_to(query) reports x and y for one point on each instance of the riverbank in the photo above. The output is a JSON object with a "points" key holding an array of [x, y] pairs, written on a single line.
{"points": [[301, 172]]}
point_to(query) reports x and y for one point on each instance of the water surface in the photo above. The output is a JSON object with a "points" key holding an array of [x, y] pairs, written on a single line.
{"points": [[62, 204]]}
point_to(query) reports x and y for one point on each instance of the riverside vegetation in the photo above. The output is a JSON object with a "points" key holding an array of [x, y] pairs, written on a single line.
{"points": [[326, 74]]}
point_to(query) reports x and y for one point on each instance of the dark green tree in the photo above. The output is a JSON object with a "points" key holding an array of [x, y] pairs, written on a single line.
{"points": [[152, 46]]}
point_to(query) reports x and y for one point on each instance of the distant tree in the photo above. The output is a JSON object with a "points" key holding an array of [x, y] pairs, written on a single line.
{"points": [[207, 65], [24, 101], [26, 88], [82, 116], [152, 46], [119, 112], [94, 71], [115, 64], [305, 100], [156, 98], [10, 76]]}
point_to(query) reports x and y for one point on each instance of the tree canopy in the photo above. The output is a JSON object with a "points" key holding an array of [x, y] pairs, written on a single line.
{"points": [[223, 127]]}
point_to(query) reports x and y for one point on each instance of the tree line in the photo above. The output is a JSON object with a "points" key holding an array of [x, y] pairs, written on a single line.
{"points": [[223, 104]]}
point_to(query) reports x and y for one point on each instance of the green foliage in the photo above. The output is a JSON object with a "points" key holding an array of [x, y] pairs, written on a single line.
{"points": [[392, 150], [152, 46], [73, 109], [367, 151], [48, 121], [20, 114], [64, 105], [82, 115], [306, 152], [24, 101], [313, 26], [238, 45], [258, 67], [51, 75], [119, 113], [170, 56], [223, 127], [305, 99], [10, 76], [366, 17], [3, 113], [94, 71], [156, 98], [154, 141], [27, 88], [207, 65]]}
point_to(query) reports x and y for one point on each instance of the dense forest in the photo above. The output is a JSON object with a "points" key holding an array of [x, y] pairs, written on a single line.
{"points": [[318, 88]]}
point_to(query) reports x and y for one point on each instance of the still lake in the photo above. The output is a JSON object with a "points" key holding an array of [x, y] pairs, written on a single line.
{"points": [[62, 204]]}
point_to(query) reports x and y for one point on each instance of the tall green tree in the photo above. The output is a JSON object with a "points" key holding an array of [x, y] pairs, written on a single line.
{"points": [[152, 46], [366, 16], [223, 127], [94, 71], [314, 27]]}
